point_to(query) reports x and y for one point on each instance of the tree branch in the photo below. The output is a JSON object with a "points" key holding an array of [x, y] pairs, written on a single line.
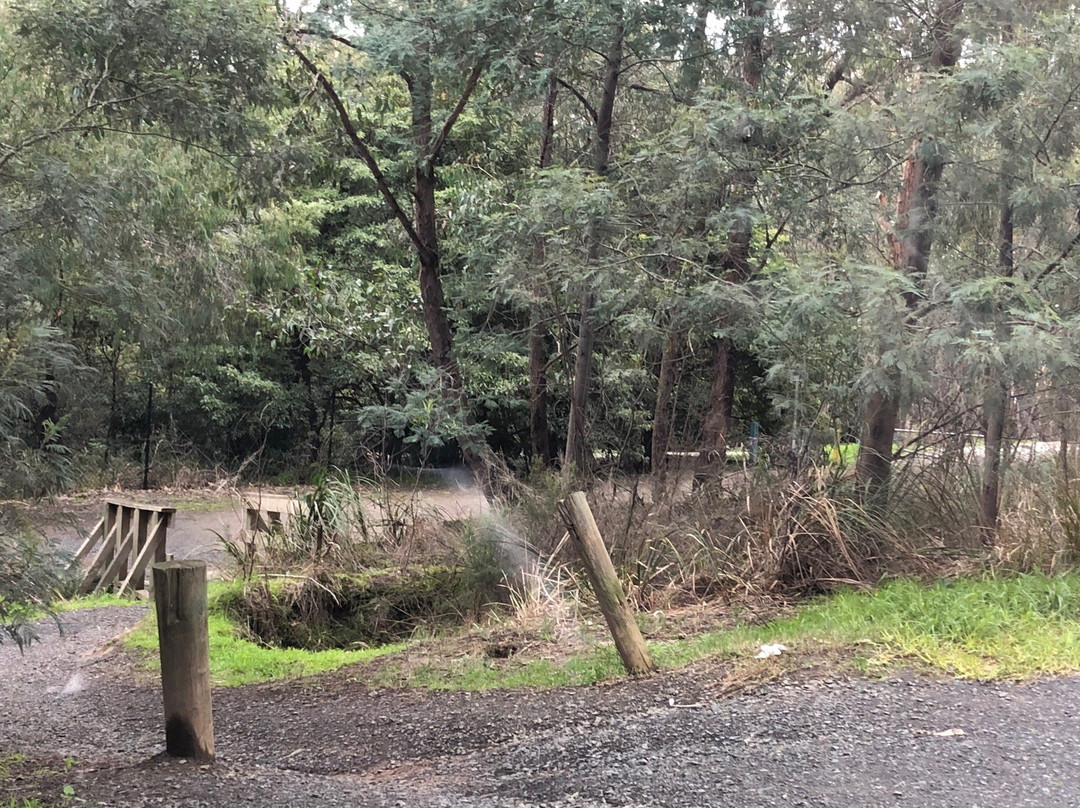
{"points": [[470, 87], [1053, 266], [348, 43], [361, 147]]}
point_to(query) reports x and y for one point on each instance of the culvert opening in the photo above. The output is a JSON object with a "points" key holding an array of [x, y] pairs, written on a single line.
{"points": [[353, 610]]}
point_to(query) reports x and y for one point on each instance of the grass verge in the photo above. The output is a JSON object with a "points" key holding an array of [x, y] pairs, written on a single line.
{"points": [[1011, 628], [991, 628]]}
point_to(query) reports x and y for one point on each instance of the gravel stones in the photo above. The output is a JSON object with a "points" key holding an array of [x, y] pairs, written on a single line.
{"points": [[672, 740]]}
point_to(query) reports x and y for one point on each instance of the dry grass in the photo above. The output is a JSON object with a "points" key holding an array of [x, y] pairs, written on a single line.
{"points": [[755, 533], [1040, 521]]}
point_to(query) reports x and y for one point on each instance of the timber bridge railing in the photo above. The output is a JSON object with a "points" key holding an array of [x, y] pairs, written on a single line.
{"points": [[122, 545]]}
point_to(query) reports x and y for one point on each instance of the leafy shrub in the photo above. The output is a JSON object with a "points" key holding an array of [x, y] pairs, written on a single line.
{"points": [[32, 574]]}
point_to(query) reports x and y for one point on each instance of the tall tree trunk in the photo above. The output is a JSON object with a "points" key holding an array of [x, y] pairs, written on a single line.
{"points": [[996, 397], [436, 320], [874, 461], [421, 228], [301, 360], [113, 358], [665, 393], [995, 402], [910, 244], [539, 440], [576, 451], [736, 264], [721, 400]]}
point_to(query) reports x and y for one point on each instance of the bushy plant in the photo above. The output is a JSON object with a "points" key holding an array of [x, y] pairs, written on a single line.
{"points": [[32, 573]]}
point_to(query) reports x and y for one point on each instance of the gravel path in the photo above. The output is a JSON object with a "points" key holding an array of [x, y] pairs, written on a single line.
{"points": [[673, 741]]}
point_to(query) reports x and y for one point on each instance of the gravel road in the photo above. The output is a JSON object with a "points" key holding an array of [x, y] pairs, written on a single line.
{"points": [[674, 740]]}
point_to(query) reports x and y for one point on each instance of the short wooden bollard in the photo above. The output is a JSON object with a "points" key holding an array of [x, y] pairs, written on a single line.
{"points": [[184, 643], [605, 583]]}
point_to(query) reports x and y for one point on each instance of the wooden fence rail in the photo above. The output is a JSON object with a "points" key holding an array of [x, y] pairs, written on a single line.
{"points": [[265, 512], [122, 545]]}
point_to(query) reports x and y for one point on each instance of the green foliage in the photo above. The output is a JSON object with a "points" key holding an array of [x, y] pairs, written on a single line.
{"points": [[193, 67], [377, 607], [32, 575]]}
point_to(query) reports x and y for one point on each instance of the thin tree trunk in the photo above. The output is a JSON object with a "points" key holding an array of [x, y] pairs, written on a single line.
{"points": [[994, 411], [539, 440], [114, 395], [910, 245], [996, 397], [576, 453], [718, 417], [995, 403], [330, 436], [665, 392], [539, 444], [301, 360]]}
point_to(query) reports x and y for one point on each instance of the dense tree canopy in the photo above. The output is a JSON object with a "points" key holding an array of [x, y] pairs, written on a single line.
{"points": [[532, 233]]}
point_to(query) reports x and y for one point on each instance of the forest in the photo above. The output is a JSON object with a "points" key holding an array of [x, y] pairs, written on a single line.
{"points": [[820, 257]]}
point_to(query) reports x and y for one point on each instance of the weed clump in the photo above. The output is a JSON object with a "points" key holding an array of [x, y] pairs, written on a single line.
{"points": [[338, 610]]}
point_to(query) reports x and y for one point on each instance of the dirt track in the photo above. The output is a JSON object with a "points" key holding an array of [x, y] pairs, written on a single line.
{"points": [[670, 741]]}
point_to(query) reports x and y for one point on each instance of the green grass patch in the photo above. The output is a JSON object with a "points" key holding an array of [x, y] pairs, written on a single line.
{"points": [[97, 601], [841, 454], [988, 628], [235, 660], [991, 628]]}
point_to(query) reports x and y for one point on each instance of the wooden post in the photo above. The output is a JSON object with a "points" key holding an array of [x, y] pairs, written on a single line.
{"points": [[605, 583], [138, 578], [124, 539], [183, 641]]}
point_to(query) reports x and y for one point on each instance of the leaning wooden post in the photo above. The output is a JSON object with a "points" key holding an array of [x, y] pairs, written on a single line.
{"points": [[183, 640], [605, 583]]}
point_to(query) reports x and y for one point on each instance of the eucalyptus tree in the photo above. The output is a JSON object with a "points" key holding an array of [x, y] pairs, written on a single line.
{"points": [[1011, 225], [441, 54]]}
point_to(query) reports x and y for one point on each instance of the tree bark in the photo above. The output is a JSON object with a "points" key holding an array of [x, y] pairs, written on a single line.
{"points": [[874, 460], [736, 264], [910, 245], [576, 453], [539, 439], [421, 229], [665, 392], [539, 444], [299, 342], [718, 417], [436, 320], [995, 403]]}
